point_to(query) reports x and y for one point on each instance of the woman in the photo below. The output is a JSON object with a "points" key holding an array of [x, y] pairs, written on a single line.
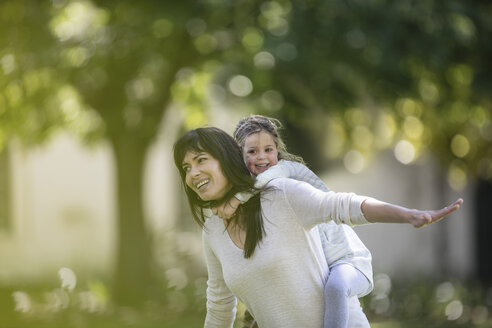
{"points": [[269, 254]]}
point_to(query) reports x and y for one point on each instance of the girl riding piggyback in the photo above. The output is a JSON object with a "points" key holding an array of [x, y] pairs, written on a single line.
{"points": [[348, 259]]}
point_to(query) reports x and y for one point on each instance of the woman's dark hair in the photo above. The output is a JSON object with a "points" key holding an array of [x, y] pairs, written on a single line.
{"points": [[227, 152]]}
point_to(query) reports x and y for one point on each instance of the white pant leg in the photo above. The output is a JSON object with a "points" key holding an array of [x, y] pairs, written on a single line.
{"points": [[344, 283], [357, 317]]}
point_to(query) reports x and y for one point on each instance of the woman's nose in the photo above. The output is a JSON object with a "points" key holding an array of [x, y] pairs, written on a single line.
{"points": [[194, 171]]}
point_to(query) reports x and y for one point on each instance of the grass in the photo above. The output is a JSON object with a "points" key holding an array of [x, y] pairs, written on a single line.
{"points": [[408, 305]]}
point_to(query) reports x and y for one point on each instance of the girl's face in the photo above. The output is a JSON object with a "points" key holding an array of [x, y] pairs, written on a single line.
{"points": [[204, 176], [260, 152]]}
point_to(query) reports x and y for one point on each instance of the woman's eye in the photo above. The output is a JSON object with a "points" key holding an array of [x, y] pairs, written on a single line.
{"points": [[268, 150], [251, 151], [202, 159], [186, 168]]}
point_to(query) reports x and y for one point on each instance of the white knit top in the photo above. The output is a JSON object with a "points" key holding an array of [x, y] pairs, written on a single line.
{"points": [[339, 241], [281, 284]]}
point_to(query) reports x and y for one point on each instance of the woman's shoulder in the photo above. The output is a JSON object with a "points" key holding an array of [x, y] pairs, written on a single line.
{"points": [[284, 183], [213, 223], [286, 188]]}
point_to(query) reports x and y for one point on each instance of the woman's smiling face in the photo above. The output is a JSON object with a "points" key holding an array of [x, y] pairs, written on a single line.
{"points": [[260, 152], [204, 176]]}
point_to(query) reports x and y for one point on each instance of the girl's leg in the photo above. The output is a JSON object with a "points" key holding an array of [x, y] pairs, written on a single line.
{"points": [[343, 282]]}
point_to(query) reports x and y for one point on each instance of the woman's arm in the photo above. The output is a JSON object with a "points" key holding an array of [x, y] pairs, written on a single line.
{"points": [[313, 206], [221, 303], [377, 211]]}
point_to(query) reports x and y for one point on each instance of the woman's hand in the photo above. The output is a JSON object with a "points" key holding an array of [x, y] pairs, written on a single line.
{"points": [[419, 218], [227, 209]]}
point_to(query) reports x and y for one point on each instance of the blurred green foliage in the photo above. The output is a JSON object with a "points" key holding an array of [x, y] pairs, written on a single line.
{"points": [[360, 76], [421, 303], [429, 302]]}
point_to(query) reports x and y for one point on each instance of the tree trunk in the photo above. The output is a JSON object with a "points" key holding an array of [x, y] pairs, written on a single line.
{"points": [[132, 275], [483, 244]]}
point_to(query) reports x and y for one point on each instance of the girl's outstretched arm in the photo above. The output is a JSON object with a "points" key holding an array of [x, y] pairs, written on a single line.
{"points": [[377, 211], [283, 169]]}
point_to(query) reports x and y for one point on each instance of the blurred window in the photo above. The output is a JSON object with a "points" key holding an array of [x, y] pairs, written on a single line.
{"points": [[4, 190]]}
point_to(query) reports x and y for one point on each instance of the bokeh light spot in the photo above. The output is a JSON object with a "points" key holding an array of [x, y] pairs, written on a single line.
{"points": [[57, 299], [454, 310], [460, 146], [162, 28], [480, 315], [252, 39], [354, 161], [362, 136], [382, 284], [264, 60], [457, 176], [356, 116], [76, 56], [380, 302], [335, 138], [68, 278], [444, 292], [177, 278], [460, 75], [404, 152], [140, 89], [196, 26], [413, 127], [23, 302], [224, 38], [428, 91], [240, 85], [8, 63], [79, 20], [14, 94], [272, 100], [278, 27], [463, 26], [407, 106], [3, 105], [385, 130], [205, 43]]}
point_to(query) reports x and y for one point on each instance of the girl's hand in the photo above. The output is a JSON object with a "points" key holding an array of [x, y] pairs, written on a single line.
{"points": [[228, 209], [420, 218]]}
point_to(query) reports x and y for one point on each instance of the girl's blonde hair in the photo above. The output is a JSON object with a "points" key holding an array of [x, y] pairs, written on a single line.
{"points": [[257, 123]]}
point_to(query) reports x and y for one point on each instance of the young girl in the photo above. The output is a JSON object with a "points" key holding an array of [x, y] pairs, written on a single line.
{"points": [[347, 257]]}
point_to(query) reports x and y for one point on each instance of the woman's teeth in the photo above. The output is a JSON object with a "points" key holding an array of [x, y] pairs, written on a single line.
{"points": [[201, 183]]}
